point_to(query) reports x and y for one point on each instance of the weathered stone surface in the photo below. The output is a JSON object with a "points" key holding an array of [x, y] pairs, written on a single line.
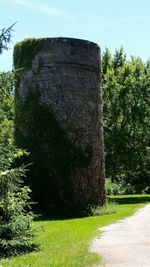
{"points": [[66, 74]]}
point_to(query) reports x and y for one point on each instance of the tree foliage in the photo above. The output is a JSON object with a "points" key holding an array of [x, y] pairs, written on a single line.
{"points": [[126, 86], [5, 37], [16, 234]]}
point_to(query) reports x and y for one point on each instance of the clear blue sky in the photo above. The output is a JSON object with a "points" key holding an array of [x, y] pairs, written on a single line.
{"points": [[110, 23]]}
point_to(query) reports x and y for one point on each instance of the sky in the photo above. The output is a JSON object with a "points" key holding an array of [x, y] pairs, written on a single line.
{"points": [[109, 23]]}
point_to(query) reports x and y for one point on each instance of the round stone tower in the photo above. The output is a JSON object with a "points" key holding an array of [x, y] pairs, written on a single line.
{"points": [[59, 120]]}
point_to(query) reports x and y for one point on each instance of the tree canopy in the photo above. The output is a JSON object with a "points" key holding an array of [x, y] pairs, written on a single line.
{"points": [[126, 88]]}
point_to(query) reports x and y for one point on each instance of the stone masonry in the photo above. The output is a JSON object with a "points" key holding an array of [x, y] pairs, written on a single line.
{"points": [[66, 74]]}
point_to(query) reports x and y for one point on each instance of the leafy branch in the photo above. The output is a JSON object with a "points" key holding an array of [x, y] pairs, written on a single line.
{"points": [[5, 37]]}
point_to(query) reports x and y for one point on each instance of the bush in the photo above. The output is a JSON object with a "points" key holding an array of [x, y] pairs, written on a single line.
{"points": [[107, 209], [16, 235], [120, 187], [146, 190]]}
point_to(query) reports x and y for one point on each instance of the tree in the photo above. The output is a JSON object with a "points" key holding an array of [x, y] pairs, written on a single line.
{"points": [[126, 111], [5, 37], [16, 235]]}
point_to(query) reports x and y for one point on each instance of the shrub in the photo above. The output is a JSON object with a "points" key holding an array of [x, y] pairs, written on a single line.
{"points": [[107, 209], [120, 187], [16, 235]]}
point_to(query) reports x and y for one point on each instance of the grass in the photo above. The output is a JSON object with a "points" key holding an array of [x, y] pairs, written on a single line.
{"points": [[130, 199], [65, 243]]}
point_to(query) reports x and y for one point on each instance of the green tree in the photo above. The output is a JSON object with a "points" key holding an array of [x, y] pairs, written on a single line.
{"points": [[5, 37], [16, 235], [126, 111]]}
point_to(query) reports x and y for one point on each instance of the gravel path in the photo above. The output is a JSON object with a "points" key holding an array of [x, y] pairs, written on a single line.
{"points": [[126, 243]]}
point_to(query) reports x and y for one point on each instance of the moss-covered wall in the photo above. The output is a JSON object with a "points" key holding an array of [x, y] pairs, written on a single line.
{"points": [[24, 53], [57, 109]]}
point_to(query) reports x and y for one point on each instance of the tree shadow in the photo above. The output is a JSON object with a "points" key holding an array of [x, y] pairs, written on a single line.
{"points": [[130, 199]]}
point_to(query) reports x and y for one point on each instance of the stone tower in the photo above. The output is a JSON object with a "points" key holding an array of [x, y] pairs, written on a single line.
{"points": [[59, 120]]}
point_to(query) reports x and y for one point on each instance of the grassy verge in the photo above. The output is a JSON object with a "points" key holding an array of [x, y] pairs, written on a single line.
{"points": [[65, 242]]}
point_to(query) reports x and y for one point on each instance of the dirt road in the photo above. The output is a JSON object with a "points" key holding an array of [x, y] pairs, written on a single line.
{"points": [[127, 242]]}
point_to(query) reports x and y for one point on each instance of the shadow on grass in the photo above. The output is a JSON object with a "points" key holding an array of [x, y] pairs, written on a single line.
{"points": [[130, 199], [8, 252], [123, 199], [46, 216]]}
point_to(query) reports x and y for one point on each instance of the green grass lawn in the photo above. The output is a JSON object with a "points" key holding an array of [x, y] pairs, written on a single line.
{"points": [[65, 243]]}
